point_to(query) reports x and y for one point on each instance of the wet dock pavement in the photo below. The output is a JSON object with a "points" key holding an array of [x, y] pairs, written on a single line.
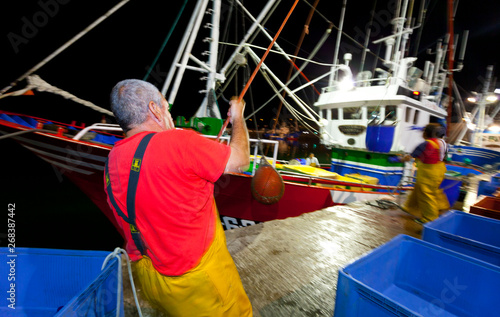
{"points": [[290, 267]]}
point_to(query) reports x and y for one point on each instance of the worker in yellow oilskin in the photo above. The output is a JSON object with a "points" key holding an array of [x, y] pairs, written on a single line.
{"points": [[160, 186], [427, 199]]}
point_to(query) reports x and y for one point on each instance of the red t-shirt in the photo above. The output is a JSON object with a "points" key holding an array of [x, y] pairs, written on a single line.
{"points": [[175, 210]]}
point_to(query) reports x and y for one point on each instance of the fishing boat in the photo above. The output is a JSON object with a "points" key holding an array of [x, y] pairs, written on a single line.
{"points": [[481, 146], [79, 152]]}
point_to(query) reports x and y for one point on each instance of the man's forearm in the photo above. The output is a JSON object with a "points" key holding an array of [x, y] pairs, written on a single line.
{"points": [[240, 148]]}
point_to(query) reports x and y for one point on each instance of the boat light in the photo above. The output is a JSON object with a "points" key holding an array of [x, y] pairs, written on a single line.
{"points": [[416, 93], [494, 128], [471, 99], [491, 98], [346, 84], [470, 125]]}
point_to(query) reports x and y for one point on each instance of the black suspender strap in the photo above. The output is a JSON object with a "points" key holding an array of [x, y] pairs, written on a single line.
{"points": [[133, 181]]}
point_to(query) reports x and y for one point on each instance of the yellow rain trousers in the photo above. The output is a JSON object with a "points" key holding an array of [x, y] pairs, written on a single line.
{"points": [[427, 198], [213, 288]]}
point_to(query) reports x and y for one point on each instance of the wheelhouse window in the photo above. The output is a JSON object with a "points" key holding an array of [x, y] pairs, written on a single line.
{"points": [[324, 112], [334, 114], [415, 119], [373, 113], [408, 114], [391, 113], [353, 113]]}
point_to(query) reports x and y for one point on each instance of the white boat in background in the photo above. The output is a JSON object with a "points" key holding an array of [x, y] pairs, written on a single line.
{"points": [[370, 118]]}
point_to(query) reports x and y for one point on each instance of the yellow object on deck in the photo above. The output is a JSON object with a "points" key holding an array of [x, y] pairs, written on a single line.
{"points": [[319, 172], [363, 178], [309, 170]]}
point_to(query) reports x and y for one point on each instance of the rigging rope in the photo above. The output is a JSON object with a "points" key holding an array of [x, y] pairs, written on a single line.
{"points": [[65, 46], [240, 98], [343, 33], [305, 106], [287, 105], [35, 82]]}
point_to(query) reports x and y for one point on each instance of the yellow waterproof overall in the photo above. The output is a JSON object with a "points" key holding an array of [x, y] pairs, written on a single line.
{"points": [[213, 288], [427, 198]]}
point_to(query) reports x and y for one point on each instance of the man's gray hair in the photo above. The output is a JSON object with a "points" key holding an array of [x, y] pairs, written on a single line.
{"points": [[129, 102]]}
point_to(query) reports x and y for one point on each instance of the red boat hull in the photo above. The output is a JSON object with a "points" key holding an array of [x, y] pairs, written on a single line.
{"points": [[234, 199], [82, 162]]}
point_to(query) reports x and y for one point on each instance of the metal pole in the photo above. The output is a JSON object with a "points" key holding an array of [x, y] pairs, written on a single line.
{"points": [[337, 45], [180, 50], [185, 57]]}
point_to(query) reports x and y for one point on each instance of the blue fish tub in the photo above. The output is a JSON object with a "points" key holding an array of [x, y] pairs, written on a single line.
{"points": [[411, 277], [473, 235], [51, 282]]}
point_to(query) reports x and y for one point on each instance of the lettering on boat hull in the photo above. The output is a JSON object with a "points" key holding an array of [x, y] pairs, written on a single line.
{"points": [[232, 223]]}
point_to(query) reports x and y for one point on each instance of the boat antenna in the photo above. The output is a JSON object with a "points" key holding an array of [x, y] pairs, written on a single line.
{"points": [[420, 23], [65, 46]]}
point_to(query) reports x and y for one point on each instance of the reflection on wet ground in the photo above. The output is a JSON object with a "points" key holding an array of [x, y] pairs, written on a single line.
{"points": [[289, 267]]}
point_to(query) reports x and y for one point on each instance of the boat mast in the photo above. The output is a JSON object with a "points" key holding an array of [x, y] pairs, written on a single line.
{"points": [[184, 54], [203, 111], [401, 37]]}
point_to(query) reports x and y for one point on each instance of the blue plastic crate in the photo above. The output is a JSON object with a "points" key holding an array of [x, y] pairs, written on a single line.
{"points": [[469, 234], [487, 188], [411, 277], [62, 282]]}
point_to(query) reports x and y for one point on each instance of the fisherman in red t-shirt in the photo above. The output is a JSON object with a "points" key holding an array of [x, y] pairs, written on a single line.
{"points": [[168, 214], [427, 199]]}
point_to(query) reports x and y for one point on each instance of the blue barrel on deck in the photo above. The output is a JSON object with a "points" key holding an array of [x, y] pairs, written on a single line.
{"points": [[379, 138]]}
